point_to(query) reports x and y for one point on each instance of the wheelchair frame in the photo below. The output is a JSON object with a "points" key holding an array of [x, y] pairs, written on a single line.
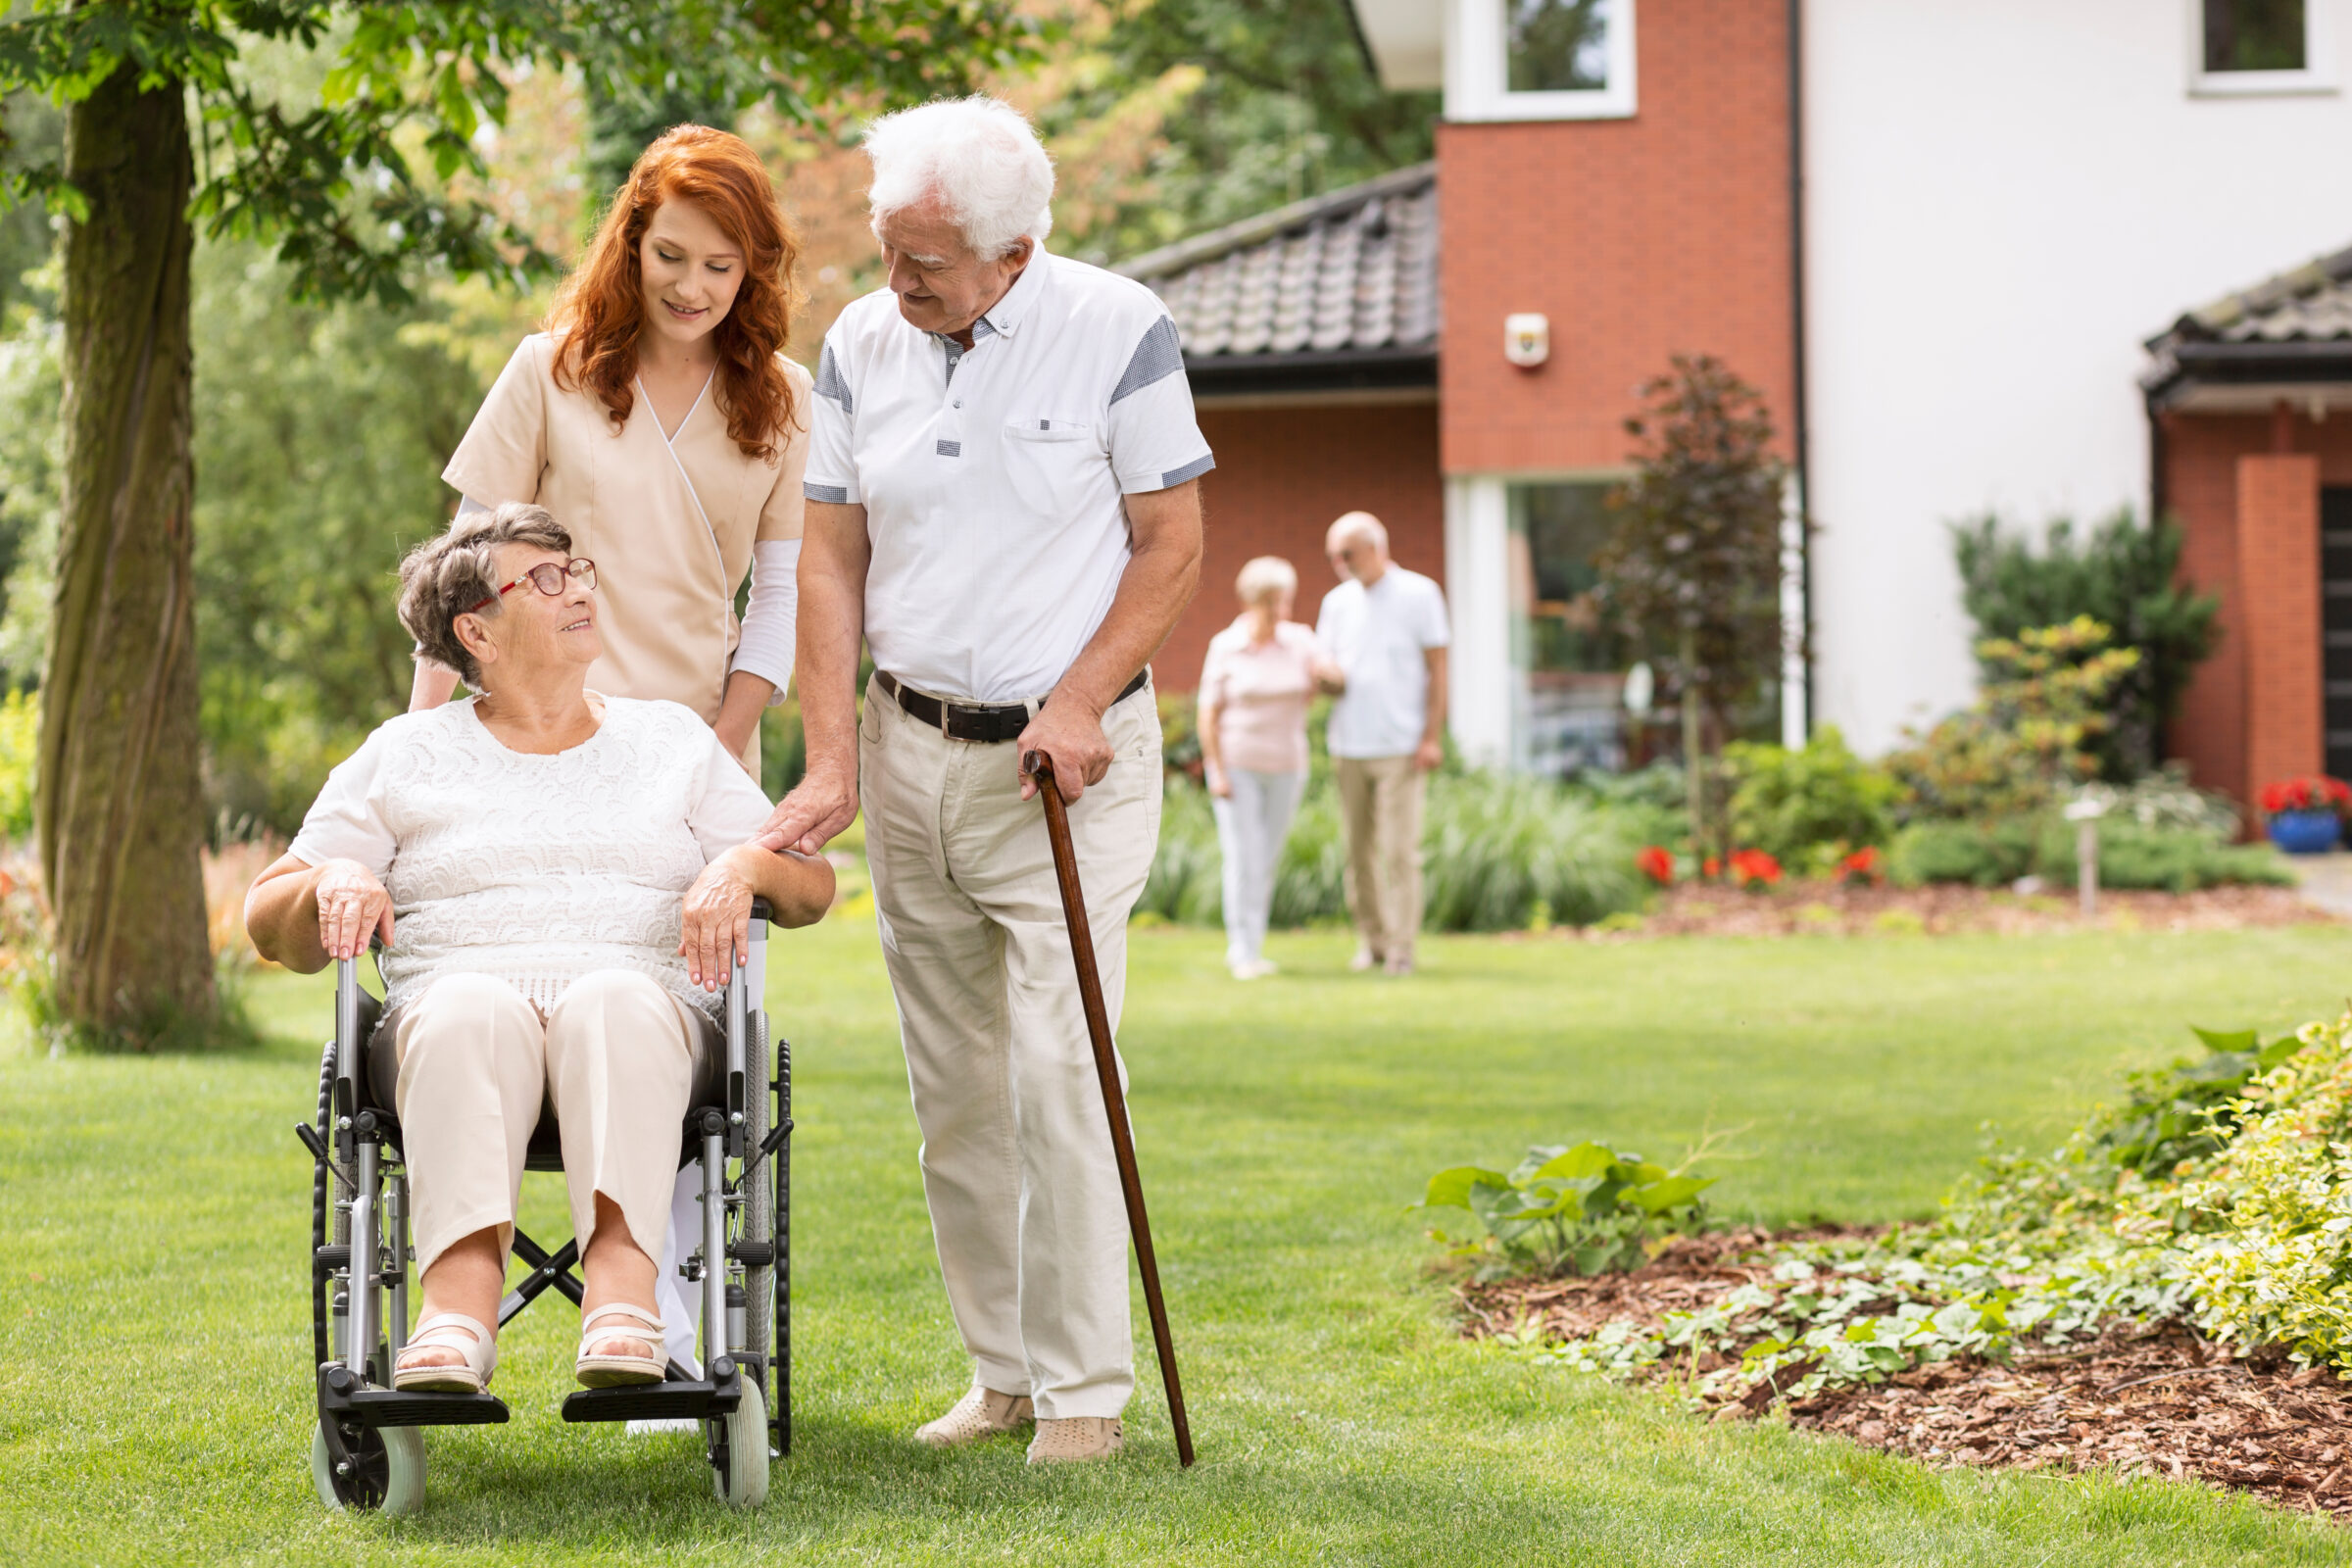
{"points": [[365, 1450]]}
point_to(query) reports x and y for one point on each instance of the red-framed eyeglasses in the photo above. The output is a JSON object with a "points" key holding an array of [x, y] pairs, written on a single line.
{"points": [[548, 578]]}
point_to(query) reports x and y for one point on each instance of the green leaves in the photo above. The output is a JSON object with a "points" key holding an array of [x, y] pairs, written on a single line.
{"points": [[1583, 1209], [354, 182]]}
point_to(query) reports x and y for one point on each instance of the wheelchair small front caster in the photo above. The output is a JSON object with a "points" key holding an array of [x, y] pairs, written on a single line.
{"points": [[384, 1472], [738, 1442]]}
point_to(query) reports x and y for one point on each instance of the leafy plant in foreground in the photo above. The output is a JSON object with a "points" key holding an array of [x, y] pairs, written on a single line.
{"points": [[1586, 1210]]}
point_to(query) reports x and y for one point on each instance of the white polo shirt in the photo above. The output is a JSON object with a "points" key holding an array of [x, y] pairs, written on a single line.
{"points": [[1380, 637], [991, 476]]}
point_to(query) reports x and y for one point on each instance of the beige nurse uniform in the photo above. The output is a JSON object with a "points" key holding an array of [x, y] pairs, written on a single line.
{"points": [[670, 522]]}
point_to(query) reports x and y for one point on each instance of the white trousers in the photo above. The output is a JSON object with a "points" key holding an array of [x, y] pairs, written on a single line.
{"points": [[1016, 1157], [615, 1056], [1251, 824]]}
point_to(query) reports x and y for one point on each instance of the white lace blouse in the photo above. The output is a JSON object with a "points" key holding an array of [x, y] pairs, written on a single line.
{"points": [[535, 870]]}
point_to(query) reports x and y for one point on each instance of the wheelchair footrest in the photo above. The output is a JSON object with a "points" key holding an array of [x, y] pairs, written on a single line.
{"points": [[658, 1401], [389, 1408]]}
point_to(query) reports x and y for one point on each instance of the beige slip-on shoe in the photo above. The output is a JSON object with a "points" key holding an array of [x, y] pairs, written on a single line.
{"points": [[1075, 1438], [980, 1414]]}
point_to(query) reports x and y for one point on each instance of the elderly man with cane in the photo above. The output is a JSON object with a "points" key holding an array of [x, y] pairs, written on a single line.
{"points": [[1003, 503]]}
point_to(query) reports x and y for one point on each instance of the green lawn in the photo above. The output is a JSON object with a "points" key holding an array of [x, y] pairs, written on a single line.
{"points": [[155, 1402]]}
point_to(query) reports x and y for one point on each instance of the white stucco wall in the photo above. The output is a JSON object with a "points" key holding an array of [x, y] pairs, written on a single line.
{"points": [[2004, 198]]}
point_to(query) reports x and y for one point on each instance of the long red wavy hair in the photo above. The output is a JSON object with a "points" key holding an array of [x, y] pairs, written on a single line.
{"points": [[600, 311]]}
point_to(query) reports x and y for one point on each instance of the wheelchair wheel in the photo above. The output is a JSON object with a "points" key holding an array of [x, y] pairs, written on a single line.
{"points": [[738, 1443], [385, 1474]]}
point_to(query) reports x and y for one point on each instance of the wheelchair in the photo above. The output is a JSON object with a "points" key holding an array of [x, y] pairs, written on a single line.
{"points": [[368, 1451]]}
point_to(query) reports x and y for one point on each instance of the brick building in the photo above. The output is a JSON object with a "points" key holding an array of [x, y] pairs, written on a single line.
{"points": [[2261, 479], [1936, 235]]}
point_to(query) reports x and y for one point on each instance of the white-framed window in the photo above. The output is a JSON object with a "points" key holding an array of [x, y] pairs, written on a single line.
{"points": [[2242, 48], [1539, 60]]}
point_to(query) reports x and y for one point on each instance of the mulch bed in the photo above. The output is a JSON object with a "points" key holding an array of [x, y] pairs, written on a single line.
{"points": [[1828, 909], [2153, 1400]]}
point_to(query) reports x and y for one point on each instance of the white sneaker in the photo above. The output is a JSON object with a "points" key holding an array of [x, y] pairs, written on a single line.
{"points": [[1250, 968], [1365, 958]]}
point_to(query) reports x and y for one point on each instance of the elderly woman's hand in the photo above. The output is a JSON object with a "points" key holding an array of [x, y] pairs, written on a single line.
{"points": [[352, 903], [718, 920]]}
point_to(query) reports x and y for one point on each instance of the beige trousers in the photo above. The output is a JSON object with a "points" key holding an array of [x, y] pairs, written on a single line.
{"points": [[1016, 1160], [618, 1057], [1380, 810]]}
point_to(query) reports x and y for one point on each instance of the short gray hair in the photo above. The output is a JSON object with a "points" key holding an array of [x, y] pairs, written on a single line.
{"points": [[446, 577], [1265, 577], [979, 156]]}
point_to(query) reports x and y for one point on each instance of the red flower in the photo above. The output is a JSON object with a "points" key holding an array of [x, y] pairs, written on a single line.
{"points": [[1753, 869], [1710, 868], [1657, 864], [2311, 792], [1863, 865]]}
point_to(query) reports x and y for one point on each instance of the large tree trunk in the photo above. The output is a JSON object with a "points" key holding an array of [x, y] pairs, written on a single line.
{"points": [[121, 801]]}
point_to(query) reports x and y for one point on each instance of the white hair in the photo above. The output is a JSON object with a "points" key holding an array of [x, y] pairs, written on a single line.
{"points": [[1358, 525], [979, 156], [1265, 577]]}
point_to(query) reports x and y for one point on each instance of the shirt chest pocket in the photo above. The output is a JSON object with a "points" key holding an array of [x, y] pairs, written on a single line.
{"points": [[1047, 460]]}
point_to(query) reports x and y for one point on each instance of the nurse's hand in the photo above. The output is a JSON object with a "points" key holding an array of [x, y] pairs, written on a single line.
{"points": [[819, 807], [1067, 732]]}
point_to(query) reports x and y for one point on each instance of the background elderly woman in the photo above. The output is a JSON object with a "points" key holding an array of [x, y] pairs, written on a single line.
{"points": [[1255, 687], [560, 880]]}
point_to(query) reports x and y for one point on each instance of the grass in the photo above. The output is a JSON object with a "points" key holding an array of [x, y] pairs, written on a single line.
{"points": [[154, 1404]]}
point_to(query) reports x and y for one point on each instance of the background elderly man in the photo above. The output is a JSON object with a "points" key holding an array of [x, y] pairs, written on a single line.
{"points": [[1003, 503], [1386, 628]]}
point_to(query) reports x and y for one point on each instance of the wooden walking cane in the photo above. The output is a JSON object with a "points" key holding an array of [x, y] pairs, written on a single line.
{"points": [[1107, 1067]]}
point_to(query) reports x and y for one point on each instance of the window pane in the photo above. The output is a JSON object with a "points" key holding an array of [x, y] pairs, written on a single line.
{"points": [[2253, 35], [1561, 45], [1571, 681]]}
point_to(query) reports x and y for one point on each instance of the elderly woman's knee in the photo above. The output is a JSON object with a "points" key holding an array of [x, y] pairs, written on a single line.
{"points": [[616, 990], [462, 1000]]}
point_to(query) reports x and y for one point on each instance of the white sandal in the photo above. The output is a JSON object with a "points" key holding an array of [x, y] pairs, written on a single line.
{"points": [[602, 1371], [448, 1331]]}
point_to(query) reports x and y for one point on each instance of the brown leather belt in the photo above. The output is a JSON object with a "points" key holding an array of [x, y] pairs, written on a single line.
{"points": [[974, 721]]}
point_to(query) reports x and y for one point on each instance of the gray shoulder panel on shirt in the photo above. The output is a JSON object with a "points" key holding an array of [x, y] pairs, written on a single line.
{"points": [[836, 494], [1191, 470], [829, 383], [1157, 357]]}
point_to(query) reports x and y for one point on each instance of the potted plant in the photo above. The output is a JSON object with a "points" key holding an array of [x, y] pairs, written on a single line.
{"points": [[2306, 814]]}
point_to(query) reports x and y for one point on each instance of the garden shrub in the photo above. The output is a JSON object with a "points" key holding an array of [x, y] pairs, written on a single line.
{"points": [[2122, 574], [1586, 1209], [2269, 1216], [1984, 853], [1810, 806]]}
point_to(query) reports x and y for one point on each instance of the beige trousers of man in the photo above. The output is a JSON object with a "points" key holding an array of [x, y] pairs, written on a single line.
{"points": [[617, 1056], [1380, 810], [1016, 1158]]}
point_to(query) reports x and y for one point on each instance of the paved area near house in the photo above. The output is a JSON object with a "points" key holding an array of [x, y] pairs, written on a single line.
{"points": [[2326, 880]]}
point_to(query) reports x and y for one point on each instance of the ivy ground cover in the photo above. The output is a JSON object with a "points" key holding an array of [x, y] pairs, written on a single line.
{"points": [[153, 1397]]}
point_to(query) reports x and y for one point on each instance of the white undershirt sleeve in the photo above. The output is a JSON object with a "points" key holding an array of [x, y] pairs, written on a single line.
{"points": [[771, 620]]}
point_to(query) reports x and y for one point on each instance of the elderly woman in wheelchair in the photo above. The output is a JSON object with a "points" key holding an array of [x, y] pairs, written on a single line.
{"points": [[561, 884]]}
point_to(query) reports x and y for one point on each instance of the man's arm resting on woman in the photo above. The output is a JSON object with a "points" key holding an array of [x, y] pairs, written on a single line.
{"points": [[835, 553]]}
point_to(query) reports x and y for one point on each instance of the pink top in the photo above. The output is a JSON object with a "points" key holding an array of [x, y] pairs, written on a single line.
{"points": [[1261, 695]]}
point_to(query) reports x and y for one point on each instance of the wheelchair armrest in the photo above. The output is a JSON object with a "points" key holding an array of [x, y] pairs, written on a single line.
{"points": [[760, 909]]}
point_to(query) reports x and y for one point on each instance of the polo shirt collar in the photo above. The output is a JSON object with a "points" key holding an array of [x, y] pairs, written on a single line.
{"points": [[1004, 316]]}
